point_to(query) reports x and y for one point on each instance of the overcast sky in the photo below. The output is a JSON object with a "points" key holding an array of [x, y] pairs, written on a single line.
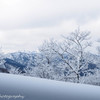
{"points": [[24, 24]]}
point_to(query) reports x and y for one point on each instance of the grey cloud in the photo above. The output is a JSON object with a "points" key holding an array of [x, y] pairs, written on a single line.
{"points": [[24, 24], [20, 14]]}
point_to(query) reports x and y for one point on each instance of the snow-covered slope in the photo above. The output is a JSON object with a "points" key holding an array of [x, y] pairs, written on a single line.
{"points": [[42, 89]]}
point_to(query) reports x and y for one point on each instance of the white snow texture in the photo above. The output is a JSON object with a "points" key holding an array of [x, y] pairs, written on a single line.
{"points": [[43, 89]]}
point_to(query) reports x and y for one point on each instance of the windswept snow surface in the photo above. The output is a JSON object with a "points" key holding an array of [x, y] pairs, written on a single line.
{"points": [[41, 89]]}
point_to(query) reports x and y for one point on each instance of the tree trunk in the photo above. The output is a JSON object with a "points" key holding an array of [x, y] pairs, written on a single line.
{"points": [[78, 78]]}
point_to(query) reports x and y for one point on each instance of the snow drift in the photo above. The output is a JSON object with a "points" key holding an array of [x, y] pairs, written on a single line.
{"points": [[41, 89]]}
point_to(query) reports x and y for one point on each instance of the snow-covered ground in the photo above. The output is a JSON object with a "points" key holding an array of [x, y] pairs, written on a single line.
{"points": [[16, 87]]}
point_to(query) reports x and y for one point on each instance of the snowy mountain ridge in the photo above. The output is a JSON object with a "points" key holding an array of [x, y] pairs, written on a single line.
{"points": [[34, 64]]}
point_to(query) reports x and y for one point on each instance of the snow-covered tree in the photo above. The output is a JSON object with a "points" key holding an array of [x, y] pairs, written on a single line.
{"points": [[44, 62], [74, 47], [93, 79], [70, 52], [2, 59]]}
